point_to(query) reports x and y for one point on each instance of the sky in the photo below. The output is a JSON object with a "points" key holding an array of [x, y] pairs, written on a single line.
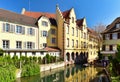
{"points": [[95, 11]]}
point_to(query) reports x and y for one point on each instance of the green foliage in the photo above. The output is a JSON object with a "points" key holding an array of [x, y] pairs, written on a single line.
{"points": [[110, 58], [118, 53], [39, 60], [30, 69], [35, 59], [100, 56], [47, 57], [1, 52], [7, 73]]}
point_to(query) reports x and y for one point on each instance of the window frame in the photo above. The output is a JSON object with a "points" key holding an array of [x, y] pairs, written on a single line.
{"points": [[19, 44], [5, 44]]}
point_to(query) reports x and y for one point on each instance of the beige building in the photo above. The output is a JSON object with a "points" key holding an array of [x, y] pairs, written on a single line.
{"points": [[24, 35], [111, 37], [37, 33]]}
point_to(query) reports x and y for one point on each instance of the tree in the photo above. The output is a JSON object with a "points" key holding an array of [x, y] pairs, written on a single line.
{"points": [[99, 28], [118, 53], [100, 56], [1, 52]]}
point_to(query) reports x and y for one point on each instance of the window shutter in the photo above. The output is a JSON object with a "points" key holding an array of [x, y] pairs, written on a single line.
{"points": [[33, 31], [33, 45], [11, 28], [23, 30], [28, 31], [3, 27], [110, 36], [25, 45], [118, 36]]}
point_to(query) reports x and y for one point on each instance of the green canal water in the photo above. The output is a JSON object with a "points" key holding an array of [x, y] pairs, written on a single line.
{"points": [[74, 73]]}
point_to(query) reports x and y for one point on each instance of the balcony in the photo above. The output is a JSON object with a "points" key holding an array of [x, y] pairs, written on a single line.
{"points": [[108, 52]]}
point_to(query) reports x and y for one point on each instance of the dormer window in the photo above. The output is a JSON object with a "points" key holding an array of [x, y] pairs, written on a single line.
{"points": [[44, 23], [118, 25], [72, 19]]}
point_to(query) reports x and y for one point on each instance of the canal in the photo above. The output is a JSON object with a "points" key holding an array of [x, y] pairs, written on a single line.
{"points": [[74, 73]]}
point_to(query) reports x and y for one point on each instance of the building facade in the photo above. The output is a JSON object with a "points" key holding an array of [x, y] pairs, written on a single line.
{"points": [[111, 37], [37, 33]]}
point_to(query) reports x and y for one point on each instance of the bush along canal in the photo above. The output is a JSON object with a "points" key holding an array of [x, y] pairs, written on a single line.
{"points": [[73, 73]]}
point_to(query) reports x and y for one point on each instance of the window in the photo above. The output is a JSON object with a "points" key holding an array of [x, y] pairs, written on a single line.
{"points": [[72, 31], [67, 42], [117, 25], [44, 23], [103, 48], [81, 34], [114, 35], [84, 35], [31, 31], [44, 34], [5, 43], [53, 40], [44, 45], [18, 44], [6, 27], [67, 30], [72, 19], [76, 43], [30, 45], [18, 29], [53, 31], [77, 32], [111, 48], [81, 44], [84, 44], [107, 36], [72, 43]]}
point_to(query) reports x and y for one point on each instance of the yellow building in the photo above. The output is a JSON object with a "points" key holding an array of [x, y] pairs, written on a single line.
{"points": [[73, 37]]}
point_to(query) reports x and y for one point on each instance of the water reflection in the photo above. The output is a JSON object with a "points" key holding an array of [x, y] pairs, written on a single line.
{"points": [[66, 74]]}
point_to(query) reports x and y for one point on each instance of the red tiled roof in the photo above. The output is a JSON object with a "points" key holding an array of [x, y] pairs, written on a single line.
{"points": [[51, 49], [79, 22], [38, 14], [13, 17], [66, 13], [92, 32]]}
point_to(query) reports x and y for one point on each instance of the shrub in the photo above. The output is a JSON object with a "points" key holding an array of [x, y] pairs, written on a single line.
{"points": [[1, 52], [35, 59], [30, 69], [47, 57], [39, 60], [7, 73]]}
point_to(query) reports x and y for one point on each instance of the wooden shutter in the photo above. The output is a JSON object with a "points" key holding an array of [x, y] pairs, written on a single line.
{"points": [[3, 29], [118, 36], [33, 45], [28, 31], [110, 36], [33, 31], [25, 45], [23, 30]]}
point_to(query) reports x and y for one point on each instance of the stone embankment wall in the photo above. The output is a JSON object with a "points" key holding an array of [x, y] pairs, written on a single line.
{"points": [[45, 67]]}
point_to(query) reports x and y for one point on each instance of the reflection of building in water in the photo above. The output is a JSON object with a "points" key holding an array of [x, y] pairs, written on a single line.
{"points": [[80, 75]]}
